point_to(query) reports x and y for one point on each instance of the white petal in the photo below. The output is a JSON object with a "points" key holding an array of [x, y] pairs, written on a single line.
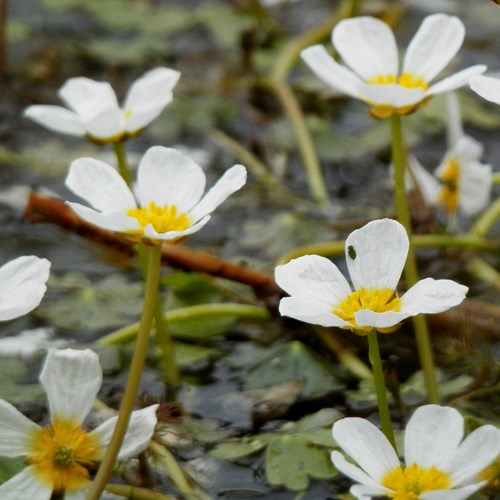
{"points": [[367, 46], [148, 96], [363, 492], [100, 185], [309, 310], [25, 485], [22, 285], [366, 444], [487, 87], [430, 296], [366, 317], [140, 430], [232, 180], [331, 72], [395, 95], [428, 184], [475, 187], [468, 149], [456, 80], [454, 128], [108, 125], [376, 254], [356, 474], [88, 97], [71, 379], [114, 221], [313, 276], [434, 45], [56, 118], [454, 494], [432, 436], [150, 232], [16, 429], [168, 177], [474, 454]]}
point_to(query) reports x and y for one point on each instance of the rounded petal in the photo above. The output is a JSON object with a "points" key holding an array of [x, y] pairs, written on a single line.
{"points": [[311, 311], [16, 429], [367, 46], [456, 80], [475, 187], [57, 119], [22, 285], [232, 180], [475, 453], [468, 149], [331, 72], [432, 436], [87, 97], [395, 95], [315, 277], [168, 177], [376, 254], [148, 96], [100, 185], [140, 430], [487, 87], [107, 126], [71, 379], [454, 494], [366, 317], [25, 485], [119, 222], [366, 445], [434, 45], [430, 296], [356, 474]]}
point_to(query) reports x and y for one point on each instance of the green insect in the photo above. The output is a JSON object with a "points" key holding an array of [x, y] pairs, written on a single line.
{"points": [[351, 252]]}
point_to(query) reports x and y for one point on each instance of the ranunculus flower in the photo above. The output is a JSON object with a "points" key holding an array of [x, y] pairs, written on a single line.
{"points": [[94, 111], [168, 203], [375, 256], [60, 456], [368, 48], [439, 464], [22, 285]]}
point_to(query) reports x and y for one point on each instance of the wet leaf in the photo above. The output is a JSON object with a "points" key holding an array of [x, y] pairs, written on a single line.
{"points": [[189, 354], [235, 450]]}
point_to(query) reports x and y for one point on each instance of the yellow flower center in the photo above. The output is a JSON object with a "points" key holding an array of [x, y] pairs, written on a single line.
{"points": [[163, 219], [62, 454], [450, 177], [376, 300], [407, 80], [409, 483]]}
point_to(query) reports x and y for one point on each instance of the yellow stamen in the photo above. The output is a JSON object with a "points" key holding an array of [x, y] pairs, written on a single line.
{"points": [[163, 219], [62, 454], [127, 114], [409, 483], [376, 300], [450, 177]]}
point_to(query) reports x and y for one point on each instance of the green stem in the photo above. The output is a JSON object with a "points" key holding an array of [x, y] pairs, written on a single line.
{"points": [[487, 220], [185, 313], [121, 157], [380, 389], [134, 378], [136, 493], [410, 271]]}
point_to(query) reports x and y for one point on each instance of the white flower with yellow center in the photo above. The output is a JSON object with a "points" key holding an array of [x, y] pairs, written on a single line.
{"points": [[375, 256], [22, 285], [61, 455], [368, 47], [94, 111], [439, 463], [168, 202]]}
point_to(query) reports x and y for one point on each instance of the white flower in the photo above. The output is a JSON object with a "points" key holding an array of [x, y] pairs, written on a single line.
{"points": [[439, 463], [60, 455], [487, 87], [368, 48], [22, 285], [169, 193], [461, 182], [94, 111], [375, 256]]}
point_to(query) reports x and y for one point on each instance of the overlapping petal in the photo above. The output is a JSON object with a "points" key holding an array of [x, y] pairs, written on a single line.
{"points": [[64, 371], [22, 285]]}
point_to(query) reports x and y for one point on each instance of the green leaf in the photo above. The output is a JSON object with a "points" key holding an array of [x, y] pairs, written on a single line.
{"points": [[235, 450], [9, 467], [189, 354], [290, 460]]}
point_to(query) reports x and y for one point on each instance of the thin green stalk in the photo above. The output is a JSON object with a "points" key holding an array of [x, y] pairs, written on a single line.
{"points": [[487, 220], [134, 378], [136, 493], [181, 314], [380, 389], [121, 158], [410, 271]]}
